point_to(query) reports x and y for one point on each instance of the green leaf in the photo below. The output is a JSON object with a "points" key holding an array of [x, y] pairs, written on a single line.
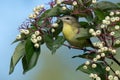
{"points": [[84, 24], [15, 41], [99, 14], [55, 11], [106, 5], [30, 59], [18, 54], [99, 70], [53, 45], [86, 56], [32, 63], [29, 48]]}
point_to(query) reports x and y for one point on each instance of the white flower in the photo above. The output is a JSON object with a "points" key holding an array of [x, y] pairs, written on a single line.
{"points": [[91, 30], [105, 48], [117, 12], [94, 1], [94, 65], [95, 44], [87, 62], [107, 22], [91, 75], [32, 16], [107, 18], [112, 19], [85, 67], [115, 78], [95, 76], [22, 30], [117, 42], [98, 56], [111, 13], [26, 32], [99, 50], [94, 34], [42, 6], [98, 78], [74, 3], [36, 45], [110, 77], [19, 36], [113, 51], [98, 32], [37, 12], [55, 25], [117, 72], [102, 54], [37, 33], [33, 36], [104, 21], [94, 59], [107, 68], [112, 33], [52, 30], [39, 38], [117, 18], [34, 40], [39, 7], [64, 8], [99, 44], [117, 27], [58, 2], [103, 26]]}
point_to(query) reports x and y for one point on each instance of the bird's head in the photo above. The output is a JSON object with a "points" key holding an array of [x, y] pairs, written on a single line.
{"points": [[68, 19]]}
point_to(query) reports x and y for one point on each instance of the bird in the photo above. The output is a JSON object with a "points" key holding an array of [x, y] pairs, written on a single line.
{"points": [[75, 35]]}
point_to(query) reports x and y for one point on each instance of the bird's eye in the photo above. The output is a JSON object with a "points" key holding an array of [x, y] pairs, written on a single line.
{"points": [[67, 18]]}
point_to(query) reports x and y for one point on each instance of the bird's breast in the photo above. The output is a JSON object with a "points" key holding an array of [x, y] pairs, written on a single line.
{"points": [[69, 32]]}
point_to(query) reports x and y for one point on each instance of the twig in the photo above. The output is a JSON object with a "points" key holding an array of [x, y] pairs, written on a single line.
{"points": [[111, 69], [114, 59]]}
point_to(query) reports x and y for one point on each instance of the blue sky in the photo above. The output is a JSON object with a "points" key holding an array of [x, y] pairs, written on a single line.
{"points": [[12, 14]]}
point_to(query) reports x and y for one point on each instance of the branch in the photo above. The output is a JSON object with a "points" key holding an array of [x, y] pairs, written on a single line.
{"points": [[111, 69], [114, 59]]}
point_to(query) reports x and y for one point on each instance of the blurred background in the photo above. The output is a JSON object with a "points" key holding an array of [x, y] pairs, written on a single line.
{"points": [[49, 67]]}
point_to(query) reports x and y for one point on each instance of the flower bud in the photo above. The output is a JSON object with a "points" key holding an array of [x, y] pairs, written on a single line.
{"points": [[18, 37], [37, 33], [36, 45], [87, 62], [111, 14], [94, 65], [74, 3], [107, 68], [64, 8], [55, 25], [26, 32], [85, 67], [52, 30], [39, 38]]}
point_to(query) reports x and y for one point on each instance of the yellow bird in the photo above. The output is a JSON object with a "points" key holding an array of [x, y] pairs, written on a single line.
{"points": [[75, 34]]}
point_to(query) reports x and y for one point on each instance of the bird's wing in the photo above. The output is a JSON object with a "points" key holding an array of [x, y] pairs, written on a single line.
{"points": [[82, 34]]}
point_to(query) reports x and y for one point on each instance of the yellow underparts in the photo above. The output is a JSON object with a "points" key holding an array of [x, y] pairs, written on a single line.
{"points": [[69, 33]]}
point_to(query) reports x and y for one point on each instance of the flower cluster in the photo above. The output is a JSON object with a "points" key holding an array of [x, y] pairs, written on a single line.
{"points": [[36, 39], [36, 11], [23, 32], [106, 33], [54, 25], [94, 76]]}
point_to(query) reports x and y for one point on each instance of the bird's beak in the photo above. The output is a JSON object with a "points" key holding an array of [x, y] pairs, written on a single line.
{"points": [[61, 18]]}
